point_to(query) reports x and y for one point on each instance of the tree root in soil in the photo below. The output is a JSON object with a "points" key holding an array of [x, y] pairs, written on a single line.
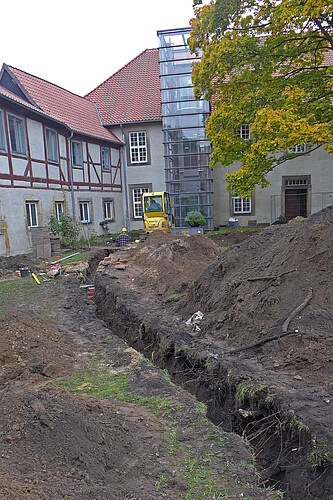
{"points": [[285, 330], [273, 277], [297, 310]]}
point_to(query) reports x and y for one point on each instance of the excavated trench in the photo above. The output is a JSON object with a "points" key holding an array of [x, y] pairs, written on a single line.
{"points": [[287, 453]]}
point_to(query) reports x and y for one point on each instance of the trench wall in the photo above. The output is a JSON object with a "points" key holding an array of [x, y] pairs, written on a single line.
{"points": [[286, 450]]}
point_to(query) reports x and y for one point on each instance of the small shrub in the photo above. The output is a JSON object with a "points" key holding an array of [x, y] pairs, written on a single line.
{"points": [[67, 227], [195, 218]]}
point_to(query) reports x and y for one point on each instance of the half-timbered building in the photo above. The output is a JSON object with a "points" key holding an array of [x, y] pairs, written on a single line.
{"points": [[55, 156]]}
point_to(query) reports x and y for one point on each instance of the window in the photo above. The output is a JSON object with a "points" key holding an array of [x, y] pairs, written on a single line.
{"points": [[136, 198], [105, 157], [138, 147], [241, 205], [298, 149], [244, 132], [17, 134], [51, 145], [31, 211], [108, 210], [77, 153], [84, 211], [2, 132], [59, 209]]}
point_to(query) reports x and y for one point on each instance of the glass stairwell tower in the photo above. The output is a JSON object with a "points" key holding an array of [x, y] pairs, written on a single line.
{"points": [[186, 148]]}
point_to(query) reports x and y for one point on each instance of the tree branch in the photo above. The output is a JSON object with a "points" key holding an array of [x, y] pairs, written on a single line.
{"points": [[324, 31]]}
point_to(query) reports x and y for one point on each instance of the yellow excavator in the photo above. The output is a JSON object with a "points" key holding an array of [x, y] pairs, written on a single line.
{"points": [[156, 209]]}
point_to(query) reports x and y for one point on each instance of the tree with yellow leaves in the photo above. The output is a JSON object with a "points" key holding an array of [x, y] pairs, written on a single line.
{"points": [[268, 64]]}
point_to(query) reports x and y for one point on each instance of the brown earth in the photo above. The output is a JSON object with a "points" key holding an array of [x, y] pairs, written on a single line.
{"points": [[249, 286], [266, 305], [60, 445]]}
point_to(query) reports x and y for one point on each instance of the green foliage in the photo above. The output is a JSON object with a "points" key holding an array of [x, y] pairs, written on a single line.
{"points": [[320, 455], [67, 227], [175, 297], [195, 218], [263, 65], [17, 291], [98, 381]]}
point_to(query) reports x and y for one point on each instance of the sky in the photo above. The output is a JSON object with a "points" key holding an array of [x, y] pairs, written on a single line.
{"points": [[77, 44]]}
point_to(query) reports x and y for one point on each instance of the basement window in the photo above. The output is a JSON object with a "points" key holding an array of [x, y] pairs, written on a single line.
{"points": [[84, 207]]}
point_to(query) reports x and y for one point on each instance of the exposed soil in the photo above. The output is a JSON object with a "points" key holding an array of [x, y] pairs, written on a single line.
{"points": [[60, 445], [276, 393], [267, 321]]}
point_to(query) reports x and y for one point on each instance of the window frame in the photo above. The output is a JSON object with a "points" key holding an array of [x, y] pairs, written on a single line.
{"points": [[58, 212], [2, 132], [51, 141], [83, 212], [137, 204], [242, 201], [241, 129], [107, 212], [19, 130], [106, 165], [78, 145], [29, 215], [136, 149]]}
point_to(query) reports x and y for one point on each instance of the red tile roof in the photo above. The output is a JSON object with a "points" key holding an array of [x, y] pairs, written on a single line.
{"points": [[12, 97], [75, 111], [132, 93]]}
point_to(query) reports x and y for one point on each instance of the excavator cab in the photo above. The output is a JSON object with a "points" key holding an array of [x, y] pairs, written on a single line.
{"points": [[156, 209]]}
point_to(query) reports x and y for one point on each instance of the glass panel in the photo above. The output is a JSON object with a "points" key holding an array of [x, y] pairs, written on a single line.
{"points": [[59, 209], [176, 67], [31, 211], [171, 82], [2, 132], [137, 201], [185, 107], [84, 211], [51, 145], [187, 147], [105, 159], [108, 210], [184, 135], [154, 204], [138, 147], [77, 153], [242, 205], [175, 95], [185, 121], [172, 53]]}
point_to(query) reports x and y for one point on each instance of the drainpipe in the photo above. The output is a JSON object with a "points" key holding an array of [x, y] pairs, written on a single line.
{"points": [[125, 178], [71, 173]]}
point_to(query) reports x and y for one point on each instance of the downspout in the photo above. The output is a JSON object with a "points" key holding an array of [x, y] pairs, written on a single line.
{"points": [[71, 173], [125, 178]]}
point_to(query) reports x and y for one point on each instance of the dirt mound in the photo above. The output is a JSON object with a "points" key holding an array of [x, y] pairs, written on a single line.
{"points": [[29, 349], [85, 447], [279, 279], [168, 262]]}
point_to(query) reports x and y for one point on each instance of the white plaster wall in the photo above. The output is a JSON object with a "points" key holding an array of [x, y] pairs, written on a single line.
{"points": [[12, 202], [152, 173], [318, 164]]}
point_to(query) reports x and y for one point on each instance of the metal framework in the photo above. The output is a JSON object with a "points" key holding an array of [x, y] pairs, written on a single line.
{"points": [[186, 149]]}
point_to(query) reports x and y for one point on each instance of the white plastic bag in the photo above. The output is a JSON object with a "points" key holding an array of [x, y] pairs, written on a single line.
{"points": [[194, 321]]}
